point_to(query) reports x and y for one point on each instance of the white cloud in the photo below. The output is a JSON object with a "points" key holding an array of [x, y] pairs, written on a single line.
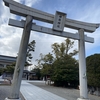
{"points": [[10, 41], [43, 43], [31, 2], [10, 36], [28, 2]]}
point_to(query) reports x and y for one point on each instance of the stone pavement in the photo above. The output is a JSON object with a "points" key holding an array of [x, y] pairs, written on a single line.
{"points": [[31, 92], [69, 94], [62, 93]]}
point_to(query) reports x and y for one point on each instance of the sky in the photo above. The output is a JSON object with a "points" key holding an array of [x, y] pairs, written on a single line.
{"points": [[81, 10]]}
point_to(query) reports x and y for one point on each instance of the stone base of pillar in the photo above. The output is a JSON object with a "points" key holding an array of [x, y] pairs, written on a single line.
{"points": [[12, 99], [82, 99]]}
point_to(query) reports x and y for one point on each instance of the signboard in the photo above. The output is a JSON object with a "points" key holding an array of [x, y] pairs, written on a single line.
{"points": [[59, 21]]}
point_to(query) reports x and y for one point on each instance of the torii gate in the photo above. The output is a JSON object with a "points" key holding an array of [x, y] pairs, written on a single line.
{"points": [[59, 21]]}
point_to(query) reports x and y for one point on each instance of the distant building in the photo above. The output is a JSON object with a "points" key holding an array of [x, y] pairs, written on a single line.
{"points": [[8, 60], [29, 75], [5, 61]]}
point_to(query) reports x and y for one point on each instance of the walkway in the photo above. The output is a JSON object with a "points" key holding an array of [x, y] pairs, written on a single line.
{"points": [[31, 92]]}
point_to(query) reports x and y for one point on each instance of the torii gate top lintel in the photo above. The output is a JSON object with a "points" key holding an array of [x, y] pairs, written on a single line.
{"points": [[22, 10]]}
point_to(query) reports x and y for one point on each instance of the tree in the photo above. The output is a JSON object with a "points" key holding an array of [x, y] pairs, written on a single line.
{"points": [[37, 72], [65, 71], [65, 64], [61, 66], [45, 64], [64, 48], [30, 49], [1, 71], [10, 69], [93, 70]]}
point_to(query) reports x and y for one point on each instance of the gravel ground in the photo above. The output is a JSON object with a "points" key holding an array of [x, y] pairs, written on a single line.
{"points": [[5, 92], [69, 94]]}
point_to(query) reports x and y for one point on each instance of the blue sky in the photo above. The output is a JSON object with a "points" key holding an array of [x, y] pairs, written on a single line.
{"points": [[82, 10]]}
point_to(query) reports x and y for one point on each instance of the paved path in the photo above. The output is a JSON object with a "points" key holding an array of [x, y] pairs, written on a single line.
{"points": [[68, 94], [31, 92], [38, 90]]}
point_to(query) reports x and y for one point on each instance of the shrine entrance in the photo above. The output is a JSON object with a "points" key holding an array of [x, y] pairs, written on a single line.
{"points": [[58, 21]]}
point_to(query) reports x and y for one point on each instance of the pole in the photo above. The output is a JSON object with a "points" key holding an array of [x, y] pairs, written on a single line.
{"points": [[82, 67], [15, 88]]}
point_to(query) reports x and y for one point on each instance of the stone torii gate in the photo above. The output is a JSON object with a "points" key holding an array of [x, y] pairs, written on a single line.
{"points": [[59, 21]]}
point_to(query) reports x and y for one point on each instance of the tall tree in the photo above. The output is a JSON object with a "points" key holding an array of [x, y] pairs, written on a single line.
{"points": [[93, 70], [45, 62], [64, 48], [37, 72], [61, 66], [30, 49], [65, 71]]}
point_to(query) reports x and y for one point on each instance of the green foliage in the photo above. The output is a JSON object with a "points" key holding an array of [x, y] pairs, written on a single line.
{"points": [[45, 62], [64, 48], [37, 72], [30, 49], [60, 66], [46, 70], [93, 70], [10, 69], [65, 71], [1, 71]]}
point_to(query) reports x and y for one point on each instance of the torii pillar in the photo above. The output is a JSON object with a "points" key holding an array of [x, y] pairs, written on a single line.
{"points": [[20, 61], [82, 67]]}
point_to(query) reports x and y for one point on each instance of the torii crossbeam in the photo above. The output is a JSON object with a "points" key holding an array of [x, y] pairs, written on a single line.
{"points": [[22, 10], [59, 21]]}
